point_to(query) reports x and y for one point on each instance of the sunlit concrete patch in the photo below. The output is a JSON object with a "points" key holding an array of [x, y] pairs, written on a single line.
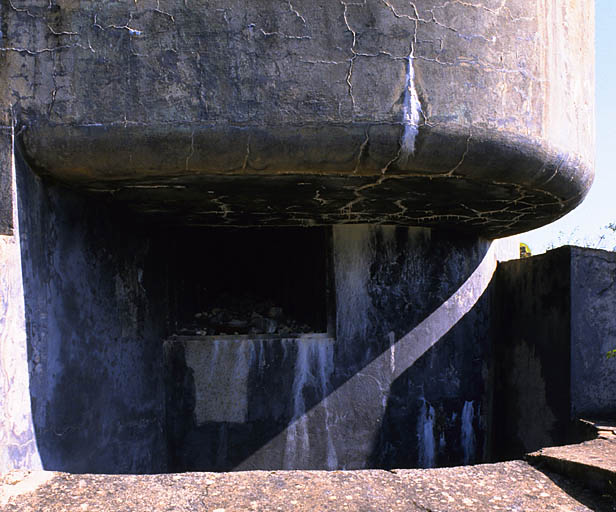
{"points": [[18, 483], [18, 447]]}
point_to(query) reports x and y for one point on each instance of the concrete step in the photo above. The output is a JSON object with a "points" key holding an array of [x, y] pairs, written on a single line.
{"points": [[592, 463]]}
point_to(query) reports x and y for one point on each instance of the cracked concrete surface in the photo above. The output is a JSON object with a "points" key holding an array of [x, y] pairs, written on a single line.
{"points": [[487, 103]]}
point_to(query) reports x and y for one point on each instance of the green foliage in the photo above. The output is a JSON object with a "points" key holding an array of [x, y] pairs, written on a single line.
{"points": [[611, 353]]}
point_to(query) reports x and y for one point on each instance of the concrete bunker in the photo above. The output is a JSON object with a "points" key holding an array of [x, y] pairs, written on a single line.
{"points": [[393, 373], [381, 148]]}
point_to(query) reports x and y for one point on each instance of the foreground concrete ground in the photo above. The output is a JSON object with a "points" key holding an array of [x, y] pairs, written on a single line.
{"points": [[571, 478]]}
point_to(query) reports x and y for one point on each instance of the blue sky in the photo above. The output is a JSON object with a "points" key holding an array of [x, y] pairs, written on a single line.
{"points": [[586, 224]]}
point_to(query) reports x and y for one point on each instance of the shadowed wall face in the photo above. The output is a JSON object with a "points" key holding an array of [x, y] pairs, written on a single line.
{"points": [[593, 333], [555, 325], [101, 295], [6, 181], [402, 376], [532, 354], [94, 322]]}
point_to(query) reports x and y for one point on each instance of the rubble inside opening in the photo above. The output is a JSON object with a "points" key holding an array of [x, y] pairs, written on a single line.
{"points": [[252, 282]]}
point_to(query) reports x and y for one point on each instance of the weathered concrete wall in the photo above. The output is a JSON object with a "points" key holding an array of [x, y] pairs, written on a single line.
{"points": [[327, 112], [593, 333], [414, 334], [434, 363], [416, 378], [228, 396], [532, 326], [555, 325], [428, 350], [6, 181], [405, 383], [93, 335], [279, 113]]}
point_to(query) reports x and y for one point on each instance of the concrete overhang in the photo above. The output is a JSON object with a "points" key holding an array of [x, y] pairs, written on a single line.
{"points": [[477, 117]]}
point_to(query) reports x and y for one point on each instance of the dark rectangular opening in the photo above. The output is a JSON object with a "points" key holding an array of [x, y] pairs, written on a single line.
{"points": [[251, 281]]}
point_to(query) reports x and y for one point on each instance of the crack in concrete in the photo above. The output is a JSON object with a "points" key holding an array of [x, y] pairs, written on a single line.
{"points": [[459, 164], [62, 33], [224, 208], [247, 154], [132, 31], [349, 78], [24, 10], [497, 11], [164, 13], [281, 34], [403, 209], [360, 153], [474, 62], [192, 150], [294, 11], [38, 51], [319, 199], [347, 209]]}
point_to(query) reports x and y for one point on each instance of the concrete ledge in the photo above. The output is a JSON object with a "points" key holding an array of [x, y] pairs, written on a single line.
{"points": [[317, 174], [592, 463], [499, 487], [446, 114]]}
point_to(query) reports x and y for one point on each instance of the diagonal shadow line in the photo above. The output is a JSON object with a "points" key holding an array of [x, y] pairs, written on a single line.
{"points": [[410, 347]]}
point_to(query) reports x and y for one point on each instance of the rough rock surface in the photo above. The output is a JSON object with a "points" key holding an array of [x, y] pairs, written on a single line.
{"points": [[499, 487]]}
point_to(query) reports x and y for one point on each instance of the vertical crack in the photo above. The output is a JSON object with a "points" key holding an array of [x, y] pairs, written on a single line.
{"points": [[192, 150], [459, 164], [362, 149], [247, 154], [349, 77]]}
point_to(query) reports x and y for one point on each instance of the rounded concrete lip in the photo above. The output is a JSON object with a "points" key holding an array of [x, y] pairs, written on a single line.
{"points": [[484, 181]]}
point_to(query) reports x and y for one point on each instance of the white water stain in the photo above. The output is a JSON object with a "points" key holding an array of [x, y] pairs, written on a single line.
{"points": [[425, 435], [354, 254], [442, 443], [392, 351], [468, 433], [313, 368], [409, 348], [326, 369], [298, 438], [411, 114]]}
